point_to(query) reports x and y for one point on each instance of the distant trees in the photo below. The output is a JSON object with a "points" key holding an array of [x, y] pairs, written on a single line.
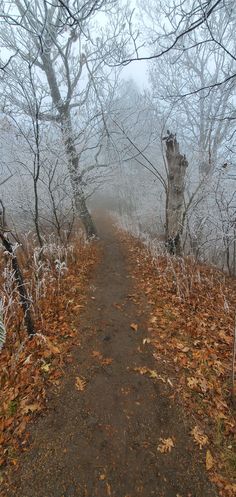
{"points": [[138, 147]]}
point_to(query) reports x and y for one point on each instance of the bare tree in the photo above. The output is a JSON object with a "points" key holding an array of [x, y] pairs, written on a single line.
{"points": [[66, 60], [9, 248], [185, 26]]}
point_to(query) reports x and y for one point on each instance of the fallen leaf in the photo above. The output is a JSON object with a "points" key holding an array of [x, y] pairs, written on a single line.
{"points": [[102, 477], [31, 408], [180, 346], [204, 385], [150, 372], [225, 338], [97, 354], [118, 306], [28, 359], [142, 370], [107, 361], [134, 326], [77, 307], [153, 374], [199, 436], [192, 382], [231, 487], [166, 445], [153, 320], [80, 384], [108, 489], [21, 428], [146, 340], [45, 368], [209, 460], [53, 349]]}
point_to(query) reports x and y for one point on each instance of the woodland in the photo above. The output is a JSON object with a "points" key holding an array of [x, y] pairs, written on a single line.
{"points": [[118, 248]]}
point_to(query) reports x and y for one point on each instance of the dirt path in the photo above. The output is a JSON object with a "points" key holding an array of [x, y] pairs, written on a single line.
{"points": [[103, 441]]}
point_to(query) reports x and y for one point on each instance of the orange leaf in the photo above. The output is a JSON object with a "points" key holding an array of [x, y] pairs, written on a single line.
{"points": [[107, 361], [97, 354]]}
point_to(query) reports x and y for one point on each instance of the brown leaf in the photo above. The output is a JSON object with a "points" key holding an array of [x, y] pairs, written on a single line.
{"points": [[80, 384], [108, 489], [53, 349], [192, 382], [225, 338], [166, 445], [209, 460], [97, 354], [153, 320], [199, 436], [107, 361], [134, 326], [21, 428], [31, 408]]}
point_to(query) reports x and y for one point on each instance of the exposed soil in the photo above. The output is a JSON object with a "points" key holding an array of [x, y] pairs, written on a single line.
{"points": [[103, 441]]}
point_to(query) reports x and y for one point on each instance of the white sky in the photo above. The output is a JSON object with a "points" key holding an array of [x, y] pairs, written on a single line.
{"points": [[138, 71]]}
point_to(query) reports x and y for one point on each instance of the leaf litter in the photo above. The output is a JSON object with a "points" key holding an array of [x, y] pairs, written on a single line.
{"points": [[30, 367], [191, 329]]}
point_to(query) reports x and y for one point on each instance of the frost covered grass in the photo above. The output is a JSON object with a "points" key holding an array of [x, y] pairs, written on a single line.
{"points": [[56, 278]]}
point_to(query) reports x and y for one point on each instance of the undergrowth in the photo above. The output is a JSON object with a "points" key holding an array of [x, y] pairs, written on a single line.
{"points": [[56, 278]]}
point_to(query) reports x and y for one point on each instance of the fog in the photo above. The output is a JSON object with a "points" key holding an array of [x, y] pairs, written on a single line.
{"points": [[131, 109]]}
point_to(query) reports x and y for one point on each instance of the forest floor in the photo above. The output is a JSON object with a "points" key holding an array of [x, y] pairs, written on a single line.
{"points": [[112, 427]]}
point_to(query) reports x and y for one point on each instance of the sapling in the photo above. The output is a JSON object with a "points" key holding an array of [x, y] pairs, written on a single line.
{"points": [[11, 252]]}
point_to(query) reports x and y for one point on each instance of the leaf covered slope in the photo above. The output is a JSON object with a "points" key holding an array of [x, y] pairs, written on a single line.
{"points": [[191, 328]]}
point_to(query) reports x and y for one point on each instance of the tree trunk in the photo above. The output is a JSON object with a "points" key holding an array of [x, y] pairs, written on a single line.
{"points": [[64, 118], [73, 167], [177, 165]]}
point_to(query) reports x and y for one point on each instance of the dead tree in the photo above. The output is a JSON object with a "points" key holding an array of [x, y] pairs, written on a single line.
{"points": [[9, 247], [176, 168]]}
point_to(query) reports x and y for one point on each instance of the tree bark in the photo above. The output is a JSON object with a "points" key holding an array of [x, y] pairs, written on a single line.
{"points": [[176, 164], [73, 168], [64, 118]]}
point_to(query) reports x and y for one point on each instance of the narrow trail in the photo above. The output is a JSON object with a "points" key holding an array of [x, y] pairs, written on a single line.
{"points": [[103, 441]]}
